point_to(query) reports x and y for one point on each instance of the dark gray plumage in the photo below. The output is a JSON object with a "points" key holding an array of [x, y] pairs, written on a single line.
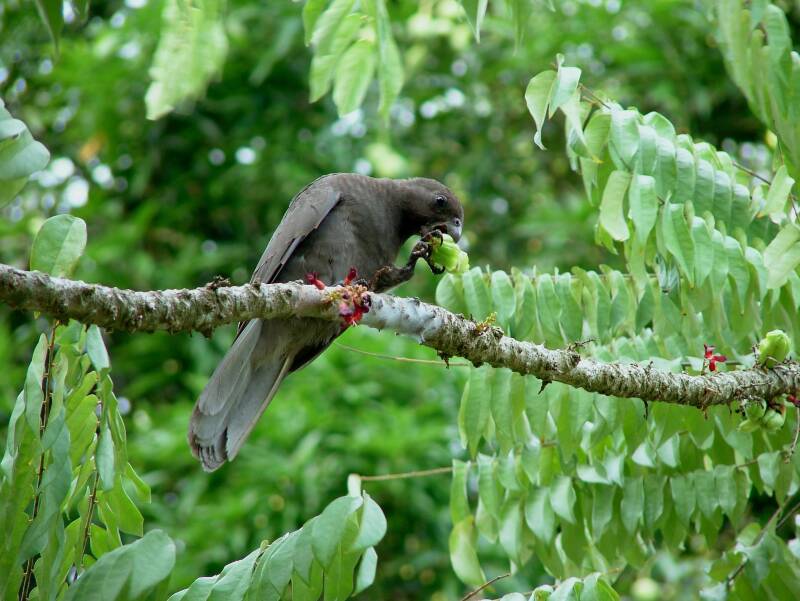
{"points": [[337, 222]]}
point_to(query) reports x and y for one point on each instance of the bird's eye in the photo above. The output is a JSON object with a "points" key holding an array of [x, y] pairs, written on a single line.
{"points": [[440, 201]]}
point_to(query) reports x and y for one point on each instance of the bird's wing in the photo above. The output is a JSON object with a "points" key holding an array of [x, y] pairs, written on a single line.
{"points": [[305, 214]]}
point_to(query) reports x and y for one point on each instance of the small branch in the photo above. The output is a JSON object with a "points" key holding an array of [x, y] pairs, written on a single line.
{"points": [[89, 512], [203, 309], [401, 359], [793, 447], [404, 475], [772, 518], [25, 590], [485, 585]]}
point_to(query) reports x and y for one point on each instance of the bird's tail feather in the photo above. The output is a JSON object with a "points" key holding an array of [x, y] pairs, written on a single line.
{"points": [[235, 397]]}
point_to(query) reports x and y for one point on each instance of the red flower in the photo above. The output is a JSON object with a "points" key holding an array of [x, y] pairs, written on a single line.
{"points": [[712, 358], [312, 278], [793, 400], [351, 275]]}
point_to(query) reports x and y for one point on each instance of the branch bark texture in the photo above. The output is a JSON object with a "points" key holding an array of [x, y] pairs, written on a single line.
{"points": [[203, 309]]}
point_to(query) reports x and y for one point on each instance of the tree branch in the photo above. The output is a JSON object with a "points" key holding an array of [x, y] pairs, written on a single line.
{"points": [[203, 309]]}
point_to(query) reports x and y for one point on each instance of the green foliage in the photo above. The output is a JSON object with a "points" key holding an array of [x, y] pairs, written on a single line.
{"points": [[190, 53], [20, 155], [550, 482], [349, 41], [333, 552]]}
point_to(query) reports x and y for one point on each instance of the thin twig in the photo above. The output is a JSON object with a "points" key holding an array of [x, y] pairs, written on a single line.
{"points": [[772, 518], [402, 475], [485, 585], [792, 447], [25, 589], [89, 512], [752, 173], [402, 359], [593, 96], [787, 515]]}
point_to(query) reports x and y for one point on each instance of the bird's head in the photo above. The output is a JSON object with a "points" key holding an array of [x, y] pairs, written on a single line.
{"points": [[431, 205]]}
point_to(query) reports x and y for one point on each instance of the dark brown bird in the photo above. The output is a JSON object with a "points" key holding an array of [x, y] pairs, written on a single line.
{"points": [[338, 222]]}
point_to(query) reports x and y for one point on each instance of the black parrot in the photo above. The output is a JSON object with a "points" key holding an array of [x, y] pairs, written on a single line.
{"points": [[338, 222]]}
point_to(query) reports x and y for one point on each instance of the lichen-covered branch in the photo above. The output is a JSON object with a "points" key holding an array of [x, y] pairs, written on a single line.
{"points": [[203, 309]]}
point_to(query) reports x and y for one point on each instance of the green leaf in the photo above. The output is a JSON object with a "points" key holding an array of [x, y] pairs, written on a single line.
{"points": [[96, 349], [390, 65], [58, 245], [476, 294], [475, 11], [643, 209], [562, 498], [632, 505], [539, 515], [329, 528], [105, 457], [463, 555], [353, 74], [459, 503], [328, 55], [537, 95], [503, 298], [366, 570], [20, 155], [624, 138], [677, 238], [128, 572], [51, 12], [372, 525], [611, 213], [311, 12], [520, 16], [190, 53], [564, 87], [473, 415], [782, 255]]}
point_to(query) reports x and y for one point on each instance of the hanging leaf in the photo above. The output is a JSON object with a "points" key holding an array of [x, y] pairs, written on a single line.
{"points": [[353, 74], [611, 213], [20, 155], [58, 245]]}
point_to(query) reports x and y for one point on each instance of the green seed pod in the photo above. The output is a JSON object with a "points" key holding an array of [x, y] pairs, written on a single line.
{"points": [[773, 348], [450, 256]]}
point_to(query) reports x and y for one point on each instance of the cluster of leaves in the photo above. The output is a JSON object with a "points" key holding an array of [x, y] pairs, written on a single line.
{"points": [[333, 553], [66, 483], [709, 254], [20, 155], [171, 231], [350, 40], [190, 53]]}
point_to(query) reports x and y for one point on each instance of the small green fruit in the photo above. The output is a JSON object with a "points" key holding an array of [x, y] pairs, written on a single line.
{"points": [[755, 410], [773, 348], [774, 420], [450, 256]]}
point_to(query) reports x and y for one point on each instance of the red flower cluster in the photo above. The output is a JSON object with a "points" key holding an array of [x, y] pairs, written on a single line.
{"points": [[354, 300], [712, 358], [793, 400]]}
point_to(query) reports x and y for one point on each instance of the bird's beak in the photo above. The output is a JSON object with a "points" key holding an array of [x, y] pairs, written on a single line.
{"points": [[452, 227]]}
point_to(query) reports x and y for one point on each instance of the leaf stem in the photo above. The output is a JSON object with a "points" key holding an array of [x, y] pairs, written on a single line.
{"points": [[27, 579], [485, 585]]}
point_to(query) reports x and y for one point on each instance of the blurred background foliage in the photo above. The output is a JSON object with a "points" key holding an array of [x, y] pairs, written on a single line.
{"points": [[173, 202]]}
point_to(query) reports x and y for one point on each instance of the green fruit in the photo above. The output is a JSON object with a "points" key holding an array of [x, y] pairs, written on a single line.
{"points": [[450, 256], [773, 348], [773, 420], [755, 410]]}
